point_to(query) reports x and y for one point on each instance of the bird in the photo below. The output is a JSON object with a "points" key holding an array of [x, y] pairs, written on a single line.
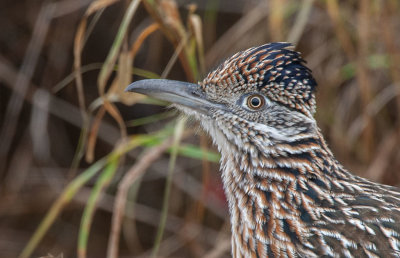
{"points": [[288, 196]]}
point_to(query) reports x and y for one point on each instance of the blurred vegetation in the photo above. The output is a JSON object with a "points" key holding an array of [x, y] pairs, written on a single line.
{"points": [[89, 171]]}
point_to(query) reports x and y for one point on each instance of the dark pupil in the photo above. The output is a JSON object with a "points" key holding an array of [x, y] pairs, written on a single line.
{"points": [[255, 102]]}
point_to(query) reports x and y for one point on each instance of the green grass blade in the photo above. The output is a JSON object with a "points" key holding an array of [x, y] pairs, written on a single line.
{"points": [[150, 119], [171, 167], [145, 73], [195, 152], [90, 208], [80, 148]]}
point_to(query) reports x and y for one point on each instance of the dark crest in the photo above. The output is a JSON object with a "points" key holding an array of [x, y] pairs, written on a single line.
{"points": [[275, 69]]}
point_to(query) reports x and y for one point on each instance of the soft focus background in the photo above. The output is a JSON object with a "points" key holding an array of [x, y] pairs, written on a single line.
{"points": [[87, 170]]}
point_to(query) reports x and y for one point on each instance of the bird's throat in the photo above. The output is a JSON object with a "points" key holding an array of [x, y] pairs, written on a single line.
{"points": [[267, 190]]}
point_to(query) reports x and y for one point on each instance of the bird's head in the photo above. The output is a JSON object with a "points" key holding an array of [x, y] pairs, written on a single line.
{"points": [[261, 95]]}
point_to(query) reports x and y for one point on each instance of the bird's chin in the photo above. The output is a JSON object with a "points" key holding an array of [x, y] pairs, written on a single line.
{"points": [[196, 114], [207, 122]]}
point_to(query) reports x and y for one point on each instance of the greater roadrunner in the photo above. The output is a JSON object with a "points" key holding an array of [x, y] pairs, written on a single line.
{"points": [[288, 195]]}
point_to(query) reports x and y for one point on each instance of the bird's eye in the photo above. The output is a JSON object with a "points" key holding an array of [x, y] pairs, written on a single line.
{"points": [[255, 101]]}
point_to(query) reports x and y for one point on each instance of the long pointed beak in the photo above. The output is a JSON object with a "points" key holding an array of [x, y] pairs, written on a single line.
{"points": [[182, 93]]}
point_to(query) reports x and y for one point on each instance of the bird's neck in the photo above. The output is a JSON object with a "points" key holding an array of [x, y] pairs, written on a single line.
{"points": [[265, 188], [306, 160]]}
